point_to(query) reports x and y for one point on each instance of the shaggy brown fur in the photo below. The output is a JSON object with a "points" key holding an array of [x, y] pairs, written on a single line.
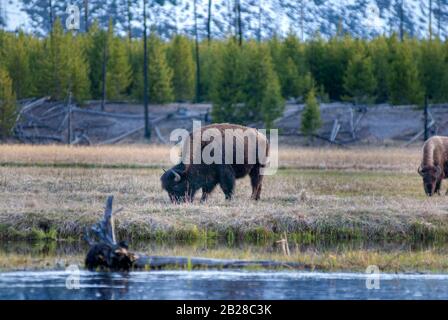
{"points": [[183, 180], [434, 166]]}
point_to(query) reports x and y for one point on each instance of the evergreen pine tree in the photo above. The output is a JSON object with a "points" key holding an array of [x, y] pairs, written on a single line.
{"points": [[262, 92], [307, 83], [159, 73], [292, 70], [311, 120], [403, 80], [359, 80], [328, 62], [94, 47], [272, 103], [290, 79], [316, 59], [37, 63], [54, 64], [7, 104], [276, 49], [210, 55], [136, 63], [78, 70], [17, 61], [61, 66], [434, 70], [118, 70], [180, 58], [228, 96], [379, 51], [3, 36]]}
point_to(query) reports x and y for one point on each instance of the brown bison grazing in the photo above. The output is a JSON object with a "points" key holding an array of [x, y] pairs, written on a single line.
{"points": [[245, 156], [434, 166]]}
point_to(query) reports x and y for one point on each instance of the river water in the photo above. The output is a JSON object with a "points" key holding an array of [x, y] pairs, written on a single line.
{"points": [[184, 285]]}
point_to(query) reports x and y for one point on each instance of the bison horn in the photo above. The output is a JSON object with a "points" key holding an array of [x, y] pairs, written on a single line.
{"points": [[438, 171], [176, 176], [164, 170], [420, 171]]}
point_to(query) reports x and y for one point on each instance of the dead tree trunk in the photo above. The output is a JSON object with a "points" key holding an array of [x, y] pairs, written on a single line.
{"points": [[239, 22], [209, 22], [108, 254], [50, 15], [86, 15], [104, 71], [129, 14], [196, 45], [145, 74]]}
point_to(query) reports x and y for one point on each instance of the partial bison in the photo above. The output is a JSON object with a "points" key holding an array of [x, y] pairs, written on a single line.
{"points": [[246, 156], [434, 166]]}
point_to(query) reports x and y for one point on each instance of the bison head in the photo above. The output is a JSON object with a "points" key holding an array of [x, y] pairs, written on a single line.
{"points": [[175, 183], [431, 175]]}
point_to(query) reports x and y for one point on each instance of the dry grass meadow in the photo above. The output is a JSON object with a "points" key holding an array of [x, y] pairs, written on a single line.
{"points": [[56, 191], [153, 156], [319, 195]]}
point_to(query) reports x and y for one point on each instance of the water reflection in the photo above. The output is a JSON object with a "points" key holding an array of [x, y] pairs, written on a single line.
{"points": [[216, 284], [184, 285]]}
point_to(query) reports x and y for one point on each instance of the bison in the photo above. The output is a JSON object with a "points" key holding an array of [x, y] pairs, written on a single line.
{"points": [[434, 165], [184, 179]]}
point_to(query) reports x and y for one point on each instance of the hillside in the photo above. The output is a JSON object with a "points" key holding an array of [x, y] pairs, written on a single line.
{"points": [[361, 18]]}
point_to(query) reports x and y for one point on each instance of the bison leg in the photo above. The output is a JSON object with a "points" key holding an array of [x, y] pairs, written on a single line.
{"points": [[204, 196], [438, 185], [256, 180], [206, 191], [227, 180]]}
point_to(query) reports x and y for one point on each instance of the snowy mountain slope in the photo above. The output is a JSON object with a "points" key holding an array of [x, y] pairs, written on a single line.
{"points": [[361, 18]]}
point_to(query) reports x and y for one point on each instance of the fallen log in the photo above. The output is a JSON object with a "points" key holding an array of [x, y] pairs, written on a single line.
{"points": [[52, 108], [340, 144], [53, 115], [106, 253], [122, 136], [33, 104], [159, 135], [80, 139], [39, 137], [129, 133], [108, 114], [418, 135]]}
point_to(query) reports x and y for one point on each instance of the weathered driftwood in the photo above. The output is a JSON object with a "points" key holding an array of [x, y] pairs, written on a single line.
{"points": [[51, 109], [335, 130], [39, 137], [420, 133], [122, 136], [31, 105], [131, 132], [34, 126], [108, 114], [62, 124], [81, 139], [106, 253], [159, 135]]}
